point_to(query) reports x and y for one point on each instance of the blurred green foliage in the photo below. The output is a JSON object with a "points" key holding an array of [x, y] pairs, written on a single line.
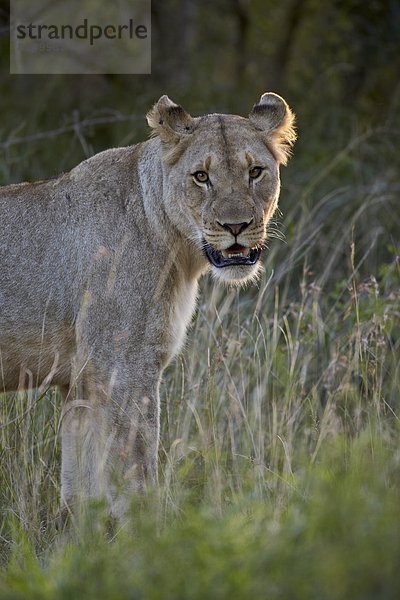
{"points": [[338, 538]]}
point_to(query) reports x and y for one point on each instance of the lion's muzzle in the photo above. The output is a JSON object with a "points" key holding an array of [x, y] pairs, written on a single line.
{"points": [[232, 256]]}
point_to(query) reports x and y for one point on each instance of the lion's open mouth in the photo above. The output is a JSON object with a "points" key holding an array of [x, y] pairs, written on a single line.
{"points": [[234, 255]]}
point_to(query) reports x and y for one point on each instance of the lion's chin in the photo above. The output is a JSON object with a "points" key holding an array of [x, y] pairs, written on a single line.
{"points": [[236, 274]]}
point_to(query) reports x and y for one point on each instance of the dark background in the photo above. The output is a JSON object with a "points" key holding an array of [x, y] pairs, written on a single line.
{"points": [[337, 64]]}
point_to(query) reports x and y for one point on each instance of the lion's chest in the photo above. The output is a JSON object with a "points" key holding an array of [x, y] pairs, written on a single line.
{"points": [[181, 313]]}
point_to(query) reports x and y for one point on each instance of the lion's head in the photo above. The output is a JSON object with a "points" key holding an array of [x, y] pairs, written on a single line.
{"points": [[221, 178]]}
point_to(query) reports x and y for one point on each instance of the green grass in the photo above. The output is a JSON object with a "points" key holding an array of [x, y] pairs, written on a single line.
{"points": [[334, 533], [280, 460]]}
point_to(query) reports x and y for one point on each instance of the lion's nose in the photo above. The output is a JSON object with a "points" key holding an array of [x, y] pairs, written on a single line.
{"points": [[235, 228]]}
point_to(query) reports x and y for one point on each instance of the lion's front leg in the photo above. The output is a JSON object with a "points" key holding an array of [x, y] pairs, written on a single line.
{"points": [[128, 446], [109, 441], [79, 477]]}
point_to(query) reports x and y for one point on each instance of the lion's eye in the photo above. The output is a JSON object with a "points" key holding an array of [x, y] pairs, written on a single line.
{"points": [[201, 176], [255, 172]]}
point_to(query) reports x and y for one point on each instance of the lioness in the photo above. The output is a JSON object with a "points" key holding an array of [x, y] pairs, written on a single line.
{"points": [[99, 272]]}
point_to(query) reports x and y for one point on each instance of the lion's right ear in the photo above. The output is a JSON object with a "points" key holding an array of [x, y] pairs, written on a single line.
{"points": [[169, 120]]}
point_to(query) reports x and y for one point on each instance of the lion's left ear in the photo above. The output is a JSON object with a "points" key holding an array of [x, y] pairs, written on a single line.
{"points": [[169, 120], [273, 116]]}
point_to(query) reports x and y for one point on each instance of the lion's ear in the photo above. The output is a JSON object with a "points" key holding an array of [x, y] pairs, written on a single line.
{"points": [[169, 120], [273, 116]]}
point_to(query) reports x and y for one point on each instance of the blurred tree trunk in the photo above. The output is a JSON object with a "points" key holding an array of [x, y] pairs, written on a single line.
{"points": [[159, 14], [174, 30], [241, 13], [374, 41], [285, 45], [185, 38]]}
